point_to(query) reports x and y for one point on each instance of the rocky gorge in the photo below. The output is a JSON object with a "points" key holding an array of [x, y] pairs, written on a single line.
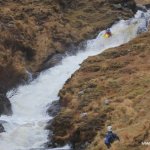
{"points": [[34, 36], [33, 31]]}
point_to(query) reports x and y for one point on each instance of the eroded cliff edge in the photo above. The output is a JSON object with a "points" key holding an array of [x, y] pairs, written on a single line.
{"points": [[112, 88]]}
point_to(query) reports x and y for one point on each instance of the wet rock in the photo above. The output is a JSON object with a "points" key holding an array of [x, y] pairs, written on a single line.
{"points": [[51, 61], [2, 128], [141, 7], [10, 77], [5, 105], [147, 6], [66, 4], [54, 108], [118, 6]]}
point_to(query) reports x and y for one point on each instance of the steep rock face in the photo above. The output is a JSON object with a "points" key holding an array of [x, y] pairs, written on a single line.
{"points": [[31, 32], [109, 89]]}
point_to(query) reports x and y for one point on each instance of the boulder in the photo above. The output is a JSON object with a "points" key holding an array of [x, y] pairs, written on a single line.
{"points": [[54, 108], [5, 105], [2, 128]]}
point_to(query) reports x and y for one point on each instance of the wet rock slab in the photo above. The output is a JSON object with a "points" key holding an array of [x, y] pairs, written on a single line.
{"points": [[2, 128], [54, 108], [5, 105]]}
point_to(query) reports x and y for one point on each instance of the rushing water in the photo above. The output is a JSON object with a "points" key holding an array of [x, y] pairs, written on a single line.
{"points": [[25, 128]]}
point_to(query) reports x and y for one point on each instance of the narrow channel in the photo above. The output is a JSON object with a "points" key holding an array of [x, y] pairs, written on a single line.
{"points": [[25, 129]]}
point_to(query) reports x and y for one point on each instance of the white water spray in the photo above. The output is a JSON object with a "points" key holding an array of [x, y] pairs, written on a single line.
{"points": [[25, 128]]}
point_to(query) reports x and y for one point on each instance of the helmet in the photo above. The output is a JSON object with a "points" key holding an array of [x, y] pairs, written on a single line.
{"points": [[109, 128], [108, 30]]}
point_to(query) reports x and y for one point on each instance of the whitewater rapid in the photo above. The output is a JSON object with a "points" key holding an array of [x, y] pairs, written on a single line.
{"points": [[25, 128]]}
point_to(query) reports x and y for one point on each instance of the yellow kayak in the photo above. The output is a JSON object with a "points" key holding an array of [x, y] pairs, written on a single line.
{"points": [[106, 35]]}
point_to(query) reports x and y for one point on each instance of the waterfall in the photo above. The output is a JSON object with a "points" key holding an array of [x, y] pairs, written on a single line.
{"points": [[25, 129]]}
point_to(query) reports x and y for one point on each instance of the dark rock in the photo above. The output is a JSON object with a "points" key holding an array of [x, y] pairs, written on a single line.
{"points": [[117, 6], [51, 61], [10, 78], [147, 6], [5, 105], [2, 121], [54, 108], [56, 58], [142, 8], [16, 45], [130, 4], [66, 4], [2, 128]]}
